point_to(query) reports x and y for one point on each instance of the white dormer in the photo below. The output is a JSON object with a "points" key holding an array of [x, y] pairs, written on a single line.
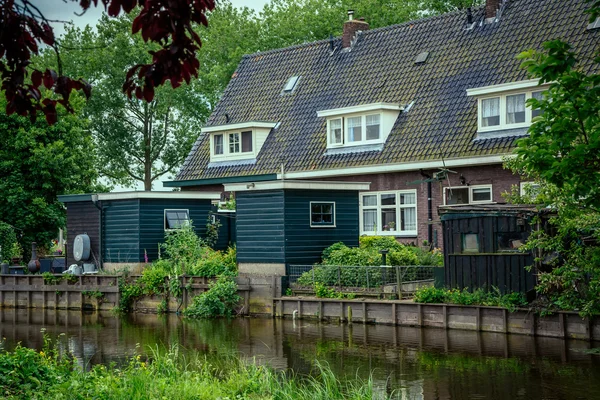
{"points": [[241, 141], [360, 125], [502, 108]]}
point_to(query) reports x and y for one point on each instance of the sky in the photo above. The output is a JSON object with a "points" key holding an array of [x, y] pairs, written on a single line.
{"points": [[67, 10]]}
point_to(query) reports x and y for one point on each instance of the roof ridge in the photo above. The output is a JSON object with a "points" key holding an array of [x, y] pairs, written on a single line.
{"points": [[370, 31]]}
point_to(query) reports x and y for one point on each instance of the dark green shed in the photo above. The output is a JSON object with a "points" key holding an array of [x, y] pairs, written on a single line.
{"points": [[125, 228], [481, 247], [280, 223]]}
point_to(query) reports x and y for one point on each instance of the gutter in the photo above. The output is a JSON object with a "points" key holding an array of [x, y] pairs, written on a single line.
{"points": [[217, 181]]}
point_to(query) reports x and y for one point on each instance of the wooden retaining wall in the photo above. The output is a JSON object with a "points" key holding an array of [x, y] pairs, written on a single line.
{"points": [[31, 291], [448, 316]]}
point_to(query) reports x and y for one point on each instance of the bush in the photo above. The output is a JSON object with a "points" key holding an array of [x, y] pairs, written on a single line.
{"points": [[8, 242], [153, 279], [402, 257], [213, 263], [183, 247], [327, 252], [424, 257], [481, 297], [353, 256], [219, 300], [380, 243]]}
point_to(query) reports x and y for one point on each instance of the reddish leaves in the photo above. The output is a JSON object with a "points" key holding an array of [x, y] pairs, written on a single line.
{"points": [[166, 22]]}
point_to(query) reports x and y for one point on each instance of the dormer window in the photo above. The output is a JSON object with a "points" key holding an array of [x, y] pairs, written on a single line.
{"points": [[504, 107], [237, 141], [360, 125]]}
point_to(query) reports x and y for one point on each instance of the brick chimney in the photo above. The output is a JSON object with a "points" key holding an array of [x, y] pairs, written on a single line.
{"points": [[492, 7], [351, 27]]}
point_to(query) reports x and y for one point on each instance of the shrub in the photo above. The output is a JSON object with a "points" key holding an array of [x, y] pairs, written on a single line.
{"points": [[183, 247], [430, 294], [478, 297], [8, 242], [153, 279], [336, 246], [219, 300], [380, 243], [402, 257], [353, 257], [424, 257], [213, 263]]}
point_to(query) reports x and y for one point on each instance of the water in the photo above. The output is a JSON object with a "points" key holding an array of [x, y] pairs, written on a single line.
{"points": [[416, 363]]}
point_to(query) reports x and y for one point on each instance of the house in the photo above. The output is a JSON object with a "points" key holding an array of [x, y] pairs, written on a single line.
{"points": [[125, 229], [425, 111]]}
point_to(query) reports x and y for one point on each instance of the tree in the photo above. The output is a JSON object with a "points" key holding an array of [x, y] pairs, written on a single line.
{"points": [[167, 23], [38, 162], [562, 153], [136, 140]]}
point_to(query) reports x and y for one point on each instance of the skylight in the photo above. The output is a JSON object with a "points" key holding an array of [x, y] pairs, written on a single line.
{"points": [[595, 24], [291, 84], [421, 58]]}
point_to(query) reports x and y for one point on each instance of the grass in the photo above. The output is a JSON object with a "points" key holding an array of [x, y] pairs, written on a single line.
{"points": [[167, 374]]}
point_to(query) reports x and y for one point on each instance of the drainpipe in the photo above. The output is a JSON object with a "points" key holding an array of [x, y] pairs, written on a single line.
{"points": [[429, 215], [100, 208]]}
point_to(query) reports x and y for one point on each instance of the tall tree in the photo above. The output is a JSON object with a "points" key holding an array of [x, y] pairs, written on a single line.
{"points": [[167, 23], [136, 140], [38, 162]]}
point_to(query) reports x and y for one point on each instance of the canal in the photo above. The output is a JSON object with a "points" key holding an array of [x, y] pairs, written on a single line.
{"points": [[414, 363]]}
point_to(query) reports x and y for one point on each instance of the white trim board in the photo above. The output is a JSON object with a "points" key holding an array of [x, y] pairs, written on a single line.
{"points": [[160, 195], [387, 168], [302, 185], [503, 87], [238, 126], [359, 109]]}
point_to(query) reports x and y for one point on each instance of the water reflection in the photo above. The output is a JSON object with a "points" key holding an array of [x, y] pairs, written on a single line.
{"points": [[411, 362]]}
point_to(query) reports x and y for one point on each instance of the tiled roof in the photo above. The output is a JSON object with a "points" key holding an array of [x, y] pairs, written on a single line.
{"points": [[381, 68]]}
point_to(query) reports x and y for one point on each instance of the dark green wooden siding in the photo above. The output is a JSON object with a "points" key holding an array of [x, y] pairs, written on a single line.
{"points": [[82, 217], [152, 230], [121, 231], [488, 268], [303, 244], [227, 230], [260, 227]]}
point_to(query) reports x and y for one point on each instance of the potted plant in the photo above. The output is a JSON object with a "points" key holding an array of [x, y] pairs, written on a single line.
{"points": [[392, 226], [17, 254]]}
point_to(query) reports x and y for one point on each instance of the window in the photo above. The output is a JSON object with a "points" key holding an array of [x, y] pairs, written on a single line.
{"points": [[468, 195], [322, 214], [490, 112], [246, 142], [470, 243], [234, 143], [507, 111], [176, 219], [529, 189], [536, 112], [291, 84], [218, 144], [354, 129], [389, 213], [373, 125], [335, 131]]}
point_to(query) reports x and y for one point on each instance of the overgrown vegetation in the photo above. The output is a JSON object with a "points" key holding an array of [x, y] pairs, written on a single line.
{"points": [[479, 297], [368, 255], [220, 300], [8, 242], [28, 374]]}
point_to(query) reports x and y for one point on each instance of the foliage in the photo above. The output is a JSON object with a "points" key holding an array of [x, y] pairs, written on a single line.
{"points": [[329, 293], [380, 243], [51, 279], [214, 262], [229, 203], [154, 280], [168, 374], [38, 162], [219, 300], [96, 294], [183, 248], [8, 239], [403, 257], [430, 294], [433, 257], [212, 231], [136, 140], [561, 154], [167, 23], [129, 292]]}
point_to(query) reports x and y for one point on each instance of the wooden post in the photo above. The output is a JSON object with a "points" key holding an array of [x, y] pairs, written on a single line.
{"points": [[419, 315], [299, 309], [505, 320], [398, 283], [445, 316], [364, 310], [478, 320], [533, 319], [320, 311], [341, 311], [562, 326], [350, 315], [394, 315]]}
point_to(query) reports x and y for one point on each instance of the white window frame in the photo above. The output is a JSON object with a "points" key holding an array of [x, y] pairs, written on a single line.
{"points": [[398, 207], [187, 210], [226, 153], [471, 201], [346, 131], [333, 225], [503, 124], [523, 185]]}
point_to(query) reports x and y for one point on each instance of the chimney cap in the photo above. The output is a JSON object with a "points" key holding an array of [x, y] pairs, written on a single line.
{"points": [[350, 15]]}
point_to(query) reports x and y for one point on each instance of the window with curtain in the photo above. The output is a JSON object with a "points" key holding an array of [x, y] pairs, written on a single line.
{"points": [[335, 131], [354, 129], [515, 109], [246, 142], [373, 126], [536, 111], [234, 143], [389, 213], [490, 113], [218, 144]]}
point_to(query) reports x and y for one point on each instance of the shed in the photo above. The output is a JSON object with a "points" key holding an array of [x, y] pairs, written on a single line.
{"points": [[285, 222], [126, 227], [481, 247]]}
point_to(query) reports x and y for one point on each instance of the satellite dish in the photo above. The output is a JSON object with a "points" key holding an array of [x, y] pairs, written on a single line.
{"points": [[81, 247]]}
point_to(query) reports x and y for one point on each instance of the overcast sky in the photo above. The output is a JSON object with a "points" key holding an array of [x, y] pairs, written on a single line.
{"points": [[64, 10], [61, 10]]}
